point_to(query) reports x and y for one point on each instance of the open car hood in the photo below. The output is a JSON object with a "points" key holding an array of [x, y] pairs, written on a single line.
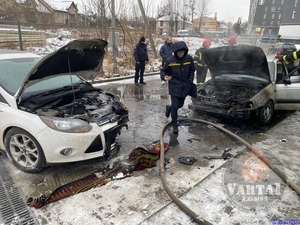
{"points": [[238, 59], [82, 57]]}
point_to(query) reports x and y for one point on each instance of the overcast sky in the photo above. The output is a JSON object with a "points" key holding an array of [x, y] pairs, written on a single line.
{"points": [[231, 10], [227, 10]]}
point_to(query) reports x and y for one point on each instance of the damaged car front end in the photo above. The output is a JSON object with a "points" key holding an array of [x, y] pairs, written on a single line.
{"points": [[240, 85]]}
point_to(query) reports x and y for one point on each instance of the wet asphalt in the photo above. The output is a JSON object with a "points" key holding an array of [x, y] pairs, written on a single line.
{"points": [[146, 104]]}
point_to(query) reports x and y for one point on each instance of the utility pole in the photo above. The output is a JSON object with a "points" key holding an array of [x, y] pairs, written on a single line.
{"points": [[113, 36], [147, 27]]}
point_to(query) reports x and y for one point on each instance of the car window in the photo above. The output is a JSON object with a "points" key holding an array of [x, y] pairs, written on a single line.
{"points": [[281, 72], [295, 75], [14, 71]]}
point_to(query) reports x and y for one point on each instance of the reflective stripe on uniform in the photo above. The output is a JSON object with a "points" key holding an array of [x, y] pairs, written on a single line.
{"points": [[295, 55], [174, 64], [284, 58], [198, 64], [178, 64], [199, 61]]}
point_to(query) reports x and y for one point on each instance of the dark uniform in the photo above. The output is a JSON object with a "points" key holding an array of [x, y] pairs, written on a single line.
{"points": [[200, 63], [141, 57], [291, 57], [292, 60], [182, 72]]}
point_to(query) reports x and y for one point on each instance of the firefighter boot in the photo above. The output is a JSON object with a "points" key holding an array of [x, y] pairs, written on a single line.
{"points": [[175, 128], [168, 111]]}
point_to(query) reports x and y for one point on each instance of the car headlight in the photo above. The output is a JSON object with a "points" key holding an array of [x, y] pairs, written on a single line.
{"points": [[66, 124]]}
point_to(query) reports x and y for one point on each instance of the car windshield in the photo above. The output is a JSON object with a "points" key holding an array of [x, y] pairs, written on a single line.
{"points": [[14, 71], [52, 83]]}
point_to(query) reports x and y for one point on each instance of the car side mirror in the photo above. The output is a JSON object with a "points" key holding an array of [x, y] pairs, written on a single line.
{"points": [[287, 81]]}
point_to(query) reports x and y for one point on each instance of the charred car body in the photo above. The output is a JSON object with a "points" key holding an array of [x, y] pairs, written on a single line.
{"points": [[50, 114], [245, 84]]}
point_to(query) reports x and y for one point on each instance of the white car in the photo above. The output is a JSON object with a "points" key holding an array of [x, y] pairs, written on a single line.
{"points": [[50, 114], [245, 84]]}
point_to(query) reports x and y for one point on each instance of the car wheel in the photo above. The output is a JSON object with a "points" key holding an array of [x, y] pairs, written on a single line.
{"points": [[24, 150], [265, 113]]}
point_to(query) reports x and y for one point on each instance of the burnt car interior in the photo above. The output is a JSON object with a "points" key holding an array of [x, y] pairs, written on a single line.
{"points": [[281, 73]]}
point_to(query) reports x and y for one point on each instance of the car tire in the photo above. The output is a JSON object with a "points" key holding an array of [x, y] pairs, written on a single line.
{"points": [[265, 113], [24, 151]]}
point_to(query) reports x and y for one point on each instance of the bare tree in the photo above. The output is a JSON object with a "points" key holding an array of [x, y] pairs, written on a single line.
{"points": [[192, 4], [187, 14], [202, 8]]}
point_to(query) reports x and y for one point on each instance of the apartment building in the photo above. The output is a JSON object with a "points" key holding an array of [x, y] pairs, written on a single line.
{"points": [[271, 18]]}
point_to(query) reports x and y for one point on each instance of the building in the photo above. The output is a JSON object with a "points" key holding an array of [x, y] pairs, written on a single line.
{"points": [[290, 20], [40, 11], [207, 24], [169, 25], [270, 18]]}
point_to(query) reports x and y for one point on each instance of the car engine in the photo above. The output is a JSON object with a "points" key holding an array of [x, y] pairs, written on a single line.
{"points": [[226, 95], [92, 106]]}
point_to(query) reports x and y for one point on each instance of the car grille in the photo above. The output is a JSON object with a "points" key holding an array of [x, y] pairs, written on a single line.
{"points": [[95, 146]]}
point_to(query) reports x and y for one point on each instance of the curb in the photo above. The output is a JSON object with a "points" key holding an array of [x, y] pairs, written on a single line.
{"points": [[122, 78]]}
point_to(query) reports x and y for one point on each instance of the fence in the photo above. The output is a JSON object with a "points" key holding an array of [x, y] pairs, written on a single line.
{"points": [[9, 37]]}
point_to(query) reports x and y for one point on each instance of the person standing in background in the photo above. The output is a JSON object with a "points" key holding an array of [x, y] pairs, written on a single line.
{"points": [[141, 57], [199, 61], [165, 52]]}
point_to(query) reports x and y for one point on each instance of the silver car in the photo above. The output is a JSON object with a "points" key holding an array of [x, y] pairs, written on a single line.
{"points": [[50, 114], [245, 84]]}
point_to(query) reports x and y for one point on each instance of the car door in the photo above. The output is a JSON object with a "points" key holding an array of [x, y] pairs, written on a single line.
{"points": [[287, 88]]}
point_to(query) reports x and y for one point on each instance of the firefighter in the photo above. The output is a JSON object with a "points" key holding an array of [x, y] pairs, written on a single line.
{"points": [[178, 70], [200, 62], [291, 59]]}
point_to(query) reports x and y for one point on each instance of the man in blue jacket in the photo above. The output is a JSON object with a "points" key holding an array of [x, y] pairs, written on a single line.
{"points": [[179, 72], [166, 51], [141, 57]]}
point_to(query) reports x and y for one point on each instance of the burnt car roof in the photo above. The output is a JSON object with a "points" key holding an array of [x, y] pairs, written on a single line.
{"points": [[82, 57], [239, 59]]}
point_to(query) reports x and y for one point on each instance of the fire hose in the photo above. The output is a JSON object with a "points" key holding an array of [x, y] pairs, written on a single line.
{"points": [[197, 218]]}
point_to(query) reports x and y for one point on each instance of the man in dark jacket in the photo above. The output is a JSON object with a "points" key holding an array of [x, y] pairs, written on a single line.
{"points": [[179, 72], [166, 51], [141, 57]]}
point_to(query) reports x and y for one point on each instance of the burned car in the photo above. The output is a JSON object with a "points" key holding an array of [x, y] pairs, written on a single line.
{"points": [[245, 84], [50, 114]]}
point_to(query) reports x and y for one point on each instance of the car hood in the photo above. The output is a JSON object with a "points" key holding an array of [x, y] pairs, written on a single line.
{"points": [[239, 59], [81, 57]]}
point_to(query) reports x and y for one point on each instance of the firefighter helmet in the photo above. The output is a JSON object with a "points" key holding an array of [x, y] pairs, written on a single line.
{"points": [[206, 43], [232, 40]]}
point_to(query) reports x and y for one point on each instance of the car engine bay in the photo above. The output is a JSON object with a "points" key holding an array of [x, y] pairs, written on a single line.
{"points": [[92, 106]]}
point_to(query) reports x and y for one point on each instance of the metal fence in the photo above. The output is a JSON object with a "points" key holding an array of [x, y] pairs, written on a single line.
{"points": [[14, 36]]}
